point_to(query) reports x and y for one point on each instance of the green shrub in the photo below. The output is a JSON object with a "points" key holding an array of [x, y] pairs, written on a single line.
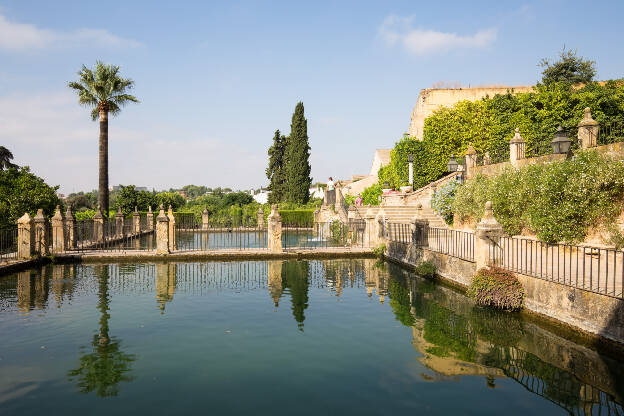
{"points": [[380, 250], [496, 287], [442, 201], [299, 217], [558, 201], [370, 195], [426, 269]]}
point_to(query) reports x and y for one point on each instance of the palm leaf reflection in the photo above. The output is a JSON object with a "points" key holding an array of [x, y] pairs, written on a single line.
{"points": [[102, 364]]}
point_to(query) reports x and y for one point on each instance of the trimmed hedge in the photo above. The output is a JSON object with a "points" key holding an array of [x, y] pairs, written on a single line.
{"points": [[297, 217]]}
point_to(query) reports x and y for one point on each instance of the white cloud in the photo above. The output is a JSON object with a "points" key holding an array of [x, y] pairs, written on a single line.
{"points": [[18, 37], [397, 30]]}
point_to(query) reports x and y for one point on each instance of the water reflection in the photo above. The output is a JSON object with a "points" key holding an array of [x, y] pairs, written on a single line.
{"points": [[103, 365], [451, 338]]}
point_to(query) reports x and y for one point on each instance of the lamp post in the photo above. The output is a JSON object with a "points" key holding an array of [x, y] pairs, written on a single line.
{"points": [[410, 159], [561, 143]]}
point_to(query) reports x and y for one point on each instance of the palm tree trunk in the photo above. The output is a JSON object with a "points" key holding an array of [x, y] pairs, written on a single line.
{"points": [[103, 160]]}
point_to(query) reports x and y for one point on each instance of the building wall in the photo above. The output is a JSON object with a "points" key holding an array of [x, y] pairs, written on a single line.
{"points": [[431, 99]]}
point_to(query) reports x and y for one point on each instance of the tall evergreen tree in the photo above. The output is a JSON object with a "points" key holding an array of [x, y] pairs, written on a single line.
{"points": [[297, 158], [275, 171]]}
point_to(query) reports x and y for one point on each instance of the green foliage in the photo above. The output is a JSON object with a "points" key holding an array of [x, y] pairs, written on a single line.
{"points": [[5, 158], [170, 198], [297, 155], [21, 191], [400, 301], [370, 195], [299, 217], [194, 191], [558, 201], [338, 231], [569, 68], [426, 269], [442, 201], [490, 123], [82, 200], [496, 287], [350, 200], [380, 250], [276, 171]]}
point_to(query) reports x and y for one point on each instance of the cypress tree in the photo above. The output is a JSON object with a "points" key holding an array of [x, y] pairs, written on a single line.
{"points": [[297, 159], [275, 171]]}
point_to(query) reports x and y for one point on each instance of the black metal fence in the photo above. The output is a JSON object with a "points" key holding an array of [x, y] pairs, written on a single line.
{"points": [[454, 243], [324, 235], [94, 235], [8, 244], [598, 270], [611, 133]]}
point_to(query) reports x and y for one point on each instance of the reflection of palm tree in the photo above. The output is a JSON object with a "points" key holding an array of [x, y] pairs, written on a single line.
{"points": [[296, 279], [104, 368]]}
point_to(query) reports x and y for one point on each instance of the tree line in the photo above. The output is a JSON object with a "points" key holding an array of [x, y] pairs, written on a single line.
{"points": [[289, 166]]}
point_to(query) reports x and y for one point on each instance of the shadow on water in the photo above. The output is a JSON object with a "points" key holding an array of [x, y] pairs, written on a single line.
{"points": [[103, 365], [457, 338]]}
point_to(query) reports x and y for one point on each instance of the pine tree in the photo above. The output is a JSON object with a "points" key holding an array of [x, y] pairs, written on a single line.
{"points": [[275, 170], [297, 159]]}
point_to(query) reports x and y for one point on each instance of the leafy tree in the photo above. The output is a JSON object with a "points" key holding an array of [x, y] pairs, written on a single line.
{"points": [[276, 170], [82, 201], [194, 191], [569, 68], [21, 191], [103, 90], [127, 199], [227, 189], [170, 198], [297, 158], [5, 158]]}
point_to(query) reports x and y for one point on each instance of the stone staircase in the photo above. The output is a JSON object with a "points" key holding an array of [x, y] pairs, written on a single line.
{"points": [[405, 214]]}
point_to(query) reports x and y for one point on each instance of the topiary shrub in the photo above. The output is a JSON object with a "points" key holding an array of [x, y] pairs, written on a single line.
{"points": [[496, 287], [426, 269]]}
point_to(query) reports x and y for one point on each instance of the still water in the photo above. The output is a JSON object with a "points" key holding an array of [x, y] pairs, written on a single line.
{"points": [[308, 338]]}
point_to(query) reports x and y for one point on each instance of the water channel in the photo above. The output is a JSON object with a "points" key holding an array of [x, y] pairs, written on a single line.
{"points": [[280, 337]]}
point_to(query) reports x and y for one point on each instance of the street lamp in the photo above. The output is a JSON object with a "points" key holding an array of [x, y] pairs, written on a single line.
{"points": [[452, 164], [561, 143]]}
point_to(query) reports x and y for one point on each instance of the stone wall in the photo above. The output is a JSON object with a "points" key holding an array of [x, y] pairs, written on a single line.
{"points": [[431, 99]]}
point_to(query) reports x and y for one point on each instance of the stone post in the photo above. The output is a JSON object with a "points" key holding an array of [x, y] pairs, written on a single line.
{"points": [[517, 149], [370, 234], [487, 159], [205, 219], [162, 232], [136, 221], [172, 234], [351, 213], [471, 161], [410, 173], [380, 226], [42, 238], [58, 231], [260, 218], [274, 230], [119, 223], [588, 131], [150, 219], [70, 229], [98, 226], [487, 234], [25, 237]]}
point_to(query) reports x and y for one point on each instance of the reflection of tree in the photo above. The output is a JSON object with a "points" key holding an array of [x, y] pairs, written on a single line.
{"points": [[295, 275], [104, 368], [400, 301]]}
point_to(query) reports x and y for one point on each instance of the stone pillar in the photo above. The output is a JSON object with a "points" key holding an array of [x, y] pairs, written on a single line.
{"points": [[410, 173], [588, 131], [352, 213], [58, 231], [172, 234], [487, 234], [487, 159], [162, 232], [136, 220], [370, 233], [274, 230], [205, 219], [98, 226], [517, 149], [119, 223], [471, 161], [42, 238], [150, 219], [25, 237], [260, 218], [380, 225], [70, 229]]}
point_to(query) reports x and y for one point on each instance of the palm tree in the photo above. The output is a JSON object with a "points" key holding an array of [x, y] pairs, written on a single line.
{"points": [[5, 158], [105, 91]]}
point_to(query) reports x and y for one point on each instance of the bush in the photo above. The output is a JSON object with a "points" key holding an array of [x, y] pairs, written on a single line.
{"points": [[558, 201], [297, 217], [426, 269], [496, 287], [370, 195], [380, 250], [442, 201]]}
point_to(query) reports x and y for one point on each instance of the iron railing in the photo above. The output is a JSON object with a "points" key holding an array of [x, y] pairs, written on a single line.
{"points": [[8, 244], [611, 133], [88, 236], [598, 270], [324, 235]]}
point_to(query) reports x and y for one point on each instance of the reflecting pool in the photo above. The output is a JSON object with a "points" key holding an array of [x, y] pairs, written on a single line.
{"points": [[280, 337]]}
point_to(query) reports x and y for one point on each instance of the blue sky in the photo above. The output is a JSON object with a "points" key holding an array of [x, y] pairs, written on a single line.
{"points": [[215, 79]]}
